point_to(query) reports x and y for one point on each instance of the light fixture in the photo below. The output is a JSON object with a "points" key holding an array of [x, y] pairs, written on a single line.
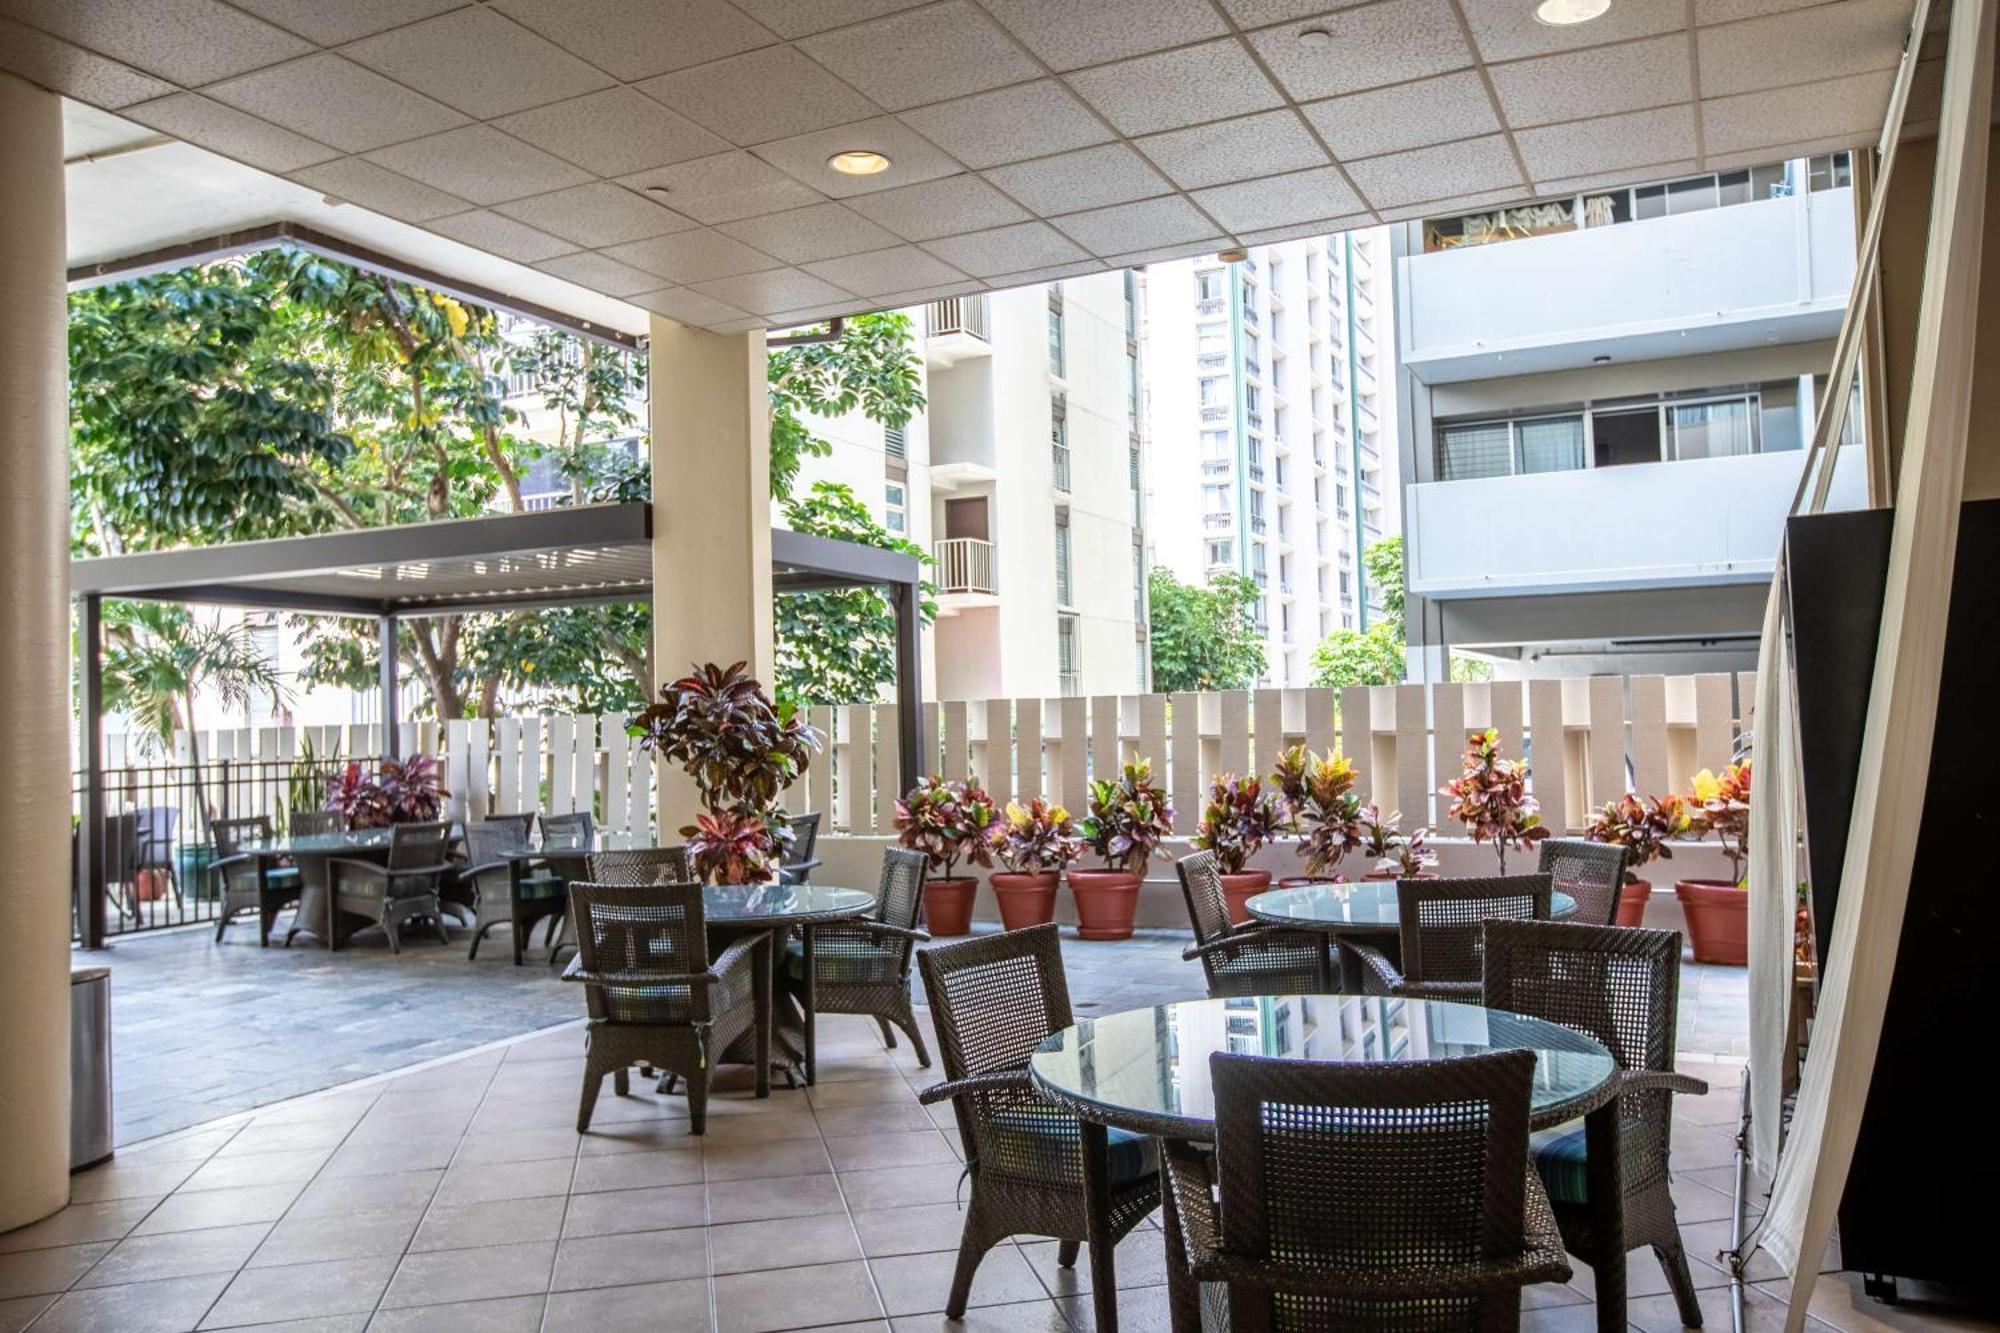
{"points": [[660, 190], [1233, 255], [1600, 360], [1564, 13], [859, 162], [1315, 38]]}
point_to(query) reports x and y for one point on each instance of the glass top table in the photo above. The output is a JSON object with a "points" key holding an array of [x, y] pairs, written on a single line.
{"points": [[1367, 905], [782, 904], [1146, 1070]]}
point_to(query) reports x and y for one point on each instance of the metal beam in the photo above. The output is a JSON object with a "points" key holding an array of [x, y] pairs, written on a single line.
{"points": [[910, 741], [89, 870], [389, 650], [823, 562]]}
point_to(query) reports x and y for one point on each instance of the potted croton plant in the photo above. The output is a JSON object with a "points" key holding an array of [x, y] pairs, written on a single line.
{"points": [[1035, 842], [1718, 911], [948, 822], [1323, 807], [1491, 798], [1129, 818], [742, 752], [403, 791], [1240, 817], [1642, 827], [1389, 853]]}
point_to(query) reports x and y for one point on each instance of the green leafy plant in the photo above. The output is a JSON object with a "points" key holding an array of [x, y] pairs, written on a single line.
{"points": [[1642, 827], [1322, 805], [406, 791], [1240, 817], [1384, 843], [838, 645], [306, 780], [1203, 638], [736, 846], [1722, 807], [1035, 838], [947, 821], [1129, 817], [1491, 798]]}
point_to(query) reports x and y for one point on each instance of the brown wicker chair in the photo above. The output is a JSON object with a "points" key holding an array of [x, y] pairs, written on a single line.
{"points": [[863, 967], [1620, 985], [243, 881], [1443, 937], [571, 832], [800, 861], [1033, 1165], [654, 997], [312, 823], [639, 865], [1363, 1197], [497, 899], [1247, 959], [1592, 873], [402, 890]]}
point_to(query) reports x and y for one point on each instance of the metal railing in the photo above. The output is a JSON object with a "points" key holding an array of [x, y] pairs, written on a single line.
{"points": [[964, 564], [956, 314]]}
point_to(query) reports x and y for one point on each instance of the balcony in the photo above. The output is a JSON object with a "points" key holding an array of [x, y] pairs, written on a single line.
{"points": [[954, 330], [964, 566], [1211, 360], [1214, 467], [1213, 305], [1215, 413], [1059, 467]]}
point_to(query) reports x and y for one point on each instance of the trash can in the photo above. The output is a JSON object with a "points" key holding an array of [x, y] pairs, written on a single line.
{"points": [[89, 1066]]}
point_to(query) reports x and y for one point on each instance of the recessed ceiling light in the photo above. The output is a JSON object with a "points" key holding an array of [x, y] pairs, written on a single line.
{"points": [[1315, 38], [859, 162], [660, 190], [1563, 13], [1235, 255]]}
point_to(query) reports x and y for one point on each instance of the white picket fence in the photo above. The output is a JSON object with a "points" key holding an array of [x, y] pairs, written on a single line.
{"points": [[1649, 732]]}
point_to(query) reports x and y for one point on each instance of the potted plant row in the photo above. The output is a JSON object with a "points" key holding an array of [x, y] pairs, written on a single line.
{"points": [[948, 821], [1128, 820], [1717, 911], [1036, 842]]}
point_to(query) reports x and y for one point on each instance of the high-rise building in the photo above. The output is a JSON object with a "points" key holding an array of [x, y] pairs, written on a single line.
{"points": [[1604, 397], [1271, 430]]}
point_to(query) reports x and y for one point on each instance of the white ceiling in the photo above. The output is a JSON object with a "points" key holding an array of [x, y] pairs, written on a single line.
{"points": [[1030, 139]]}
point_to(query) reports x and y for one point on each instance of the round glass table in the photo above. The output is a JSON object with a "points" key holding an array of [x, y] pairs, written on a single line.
{"points": [[1362, 907]]}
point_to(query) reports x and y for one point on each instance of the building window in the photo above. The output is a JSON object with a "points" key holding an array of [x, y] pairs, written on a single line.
{"points": [[1480, 449], [1208, 285], [894, 443], [1222, 553], [1065, 592], [1138, 493], [1056, 330], [1138, 583], [1069, 658], [1723, 429], [1550, 444], [895, 508], [1059, 440], [1829, 171]]}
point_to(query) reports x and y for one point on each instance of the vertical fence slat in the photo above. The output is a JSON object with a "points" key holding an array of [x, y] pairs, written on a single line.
{"points": [[1713, 736], [957, 757], [478, 769], [1073, 791], [1186, 752], [583, 775], [1104, 725], [1607, 739], [857, 774], [531, 766], [562, 756], [1448, 732], [1027, 749], [1505, 712], [1413, 787], [617, 776], [457, 777], [997, 760], [1268, 719], [1549, 774], [888, 781], [1235, 719], [1357, 729], [819, 777], [927, 740], [507, 796], [1649, 735], [1322, 720], [1746, 701], [1153, 734]]}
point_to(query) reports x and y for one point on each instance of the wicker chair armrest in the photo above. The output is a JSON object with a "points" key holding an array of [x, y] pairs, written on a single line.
{"points": [[1459, 992], [1190, 1175], [380, 871], [799, 867], [884, 930], [740, 955], [993, 1080], [1661, 1080], [1378, 970], [577, 972], [484, 868], [231, 861], [1249, 937]]}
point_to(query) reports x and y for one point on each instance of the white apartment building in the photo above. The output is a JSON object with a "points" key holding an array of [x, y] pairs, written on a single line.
{"points": [[1604, 397], [1271, 430]]}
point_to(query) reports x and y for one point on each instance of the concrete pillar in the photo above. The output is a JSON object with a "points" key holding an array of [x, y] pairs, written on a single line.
{"points": [[711, 456], [34, 668]]}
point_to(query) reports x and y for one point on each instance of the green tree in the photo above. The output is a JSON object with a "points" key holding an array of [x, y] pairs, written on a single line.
{"points": [[1204, 638], [1360, 657], [1384, 562], [872, 366], [158, 658]]}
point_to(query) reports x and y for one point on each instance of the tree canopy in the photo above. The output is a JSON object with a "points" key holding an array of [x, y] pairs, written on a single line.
{"points": [[1204, 638]]}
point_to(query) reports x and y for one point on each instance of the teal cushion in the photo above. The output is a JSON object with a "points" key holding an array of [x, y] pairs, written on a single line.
{"points": [[1134, 1157], [282, 877], [542, 886], [1562, 1160]]}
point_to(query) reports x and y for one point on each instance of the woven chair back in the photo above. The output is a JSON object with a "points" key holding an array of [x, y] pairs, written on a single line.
{"points": [[523, 825], [900, 896], [414, 846], [568, 832], [487, 839], [312, 823], [1590, 872], [805, 837], [995, 997], [1443, 921], [633, 930], [231, 834], [639, 865], [1201, 885]]}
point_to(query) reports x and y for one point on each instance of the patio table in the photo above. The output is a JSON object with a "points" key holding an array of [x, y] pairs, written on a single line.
{"points": [[1146, 1071], [311, 852], [1364, 907]]}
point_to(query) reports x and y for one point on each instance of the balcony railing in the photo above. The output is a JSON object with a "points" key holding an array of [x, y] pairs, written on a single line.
{"points": [[1209, 306], [1214, 467], [1214, 413], [956, 314], [1218, 521], [1059, 466], [964, 565], [1212, 360]]}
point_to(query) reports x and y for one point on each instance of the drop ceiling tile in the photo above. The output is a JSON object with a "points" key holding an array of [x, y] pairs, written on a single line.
{"points": [[359, 181], [189, 42], [1608, 143], [734, 97], [1007, 249], [589, 269], [1206, 245], [1068, 35], [920, 295], [821, 231], [885, 271], [1464, 203], [807, 316], [73, 71], [1131, 227], [1851, 108], [1087, 178], [909, 59], [1307, 231], [1508, 29], [692, 256], [330, 25], [1276, 201], [1375, 45], [596, 215], [1405, 115], [790, 18], [613, 133], [477, 61], [637, 41], [337, 102], [1604, 80], [232, 133], [725, 187], [912, 158], [1650, 174], [1008, 124], [1257, 13], [940, 208], [772, 290], [1728, 11], [1465, 167], [1783, 152], [1824, 42], [505, 237], [1232, 150], [1176, 88], [1054, 273], [687, 307], [480, 163]]}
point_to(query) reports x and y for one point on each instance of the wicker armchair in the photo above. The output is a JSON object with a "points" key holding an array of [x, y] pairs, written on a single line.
{"points": [[497, 899], [571, 832], [1363, 1197], [639, 865], [863, 967], [654, 997], [459, 891], [404, 889], [243, 881], [1443, 935], [1249, 959], [312, 823], [800, 861], [1033, 1165], [1592, 873], [1620, 985]]}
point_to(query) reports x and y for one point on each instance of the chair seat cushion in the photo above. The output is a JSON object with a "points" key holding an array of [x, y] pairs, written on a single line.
{"points": [[845, 960], [542, 886], [282, 877], [1134, 1157], [1561, 1159]]}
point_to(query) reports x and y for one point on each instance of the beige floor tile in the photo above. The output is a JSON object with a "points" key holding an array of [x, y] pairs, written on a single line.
{"points": [[20, 1311], [480, 1182], [119, 1179], [79, 1224], [169, 1305], [368, 1234], [899, 1186], [640, 1136], [349, 1194], [45, 1272], [178, 1254], [377, 1159], [754, 1303], [659, 1209], [449, 1276], [867, 1152], [661, 1307], [220, 1208], [753, 1161], [516, 1145], [773, 1196], [301, 1291], [920, 1283], [629, 1257], [789, 1242], [510, 1314], [637, 1170], [465, 1226], [295, 1165], [915, 1230], [1043, 1316], [1140, 1260]]}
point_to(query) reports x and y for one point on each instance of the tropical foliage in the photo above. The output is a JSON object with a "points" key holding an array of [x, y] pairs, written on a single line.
{"points": [[1379, 655], [1722, 807], [1642, 826], [1491, 798], [1240, 817], [159, 658], [1388, 849], [397, 792], [1324, 807], [1035, 838], [1129, 817], [948, 821], [1204, 638]]}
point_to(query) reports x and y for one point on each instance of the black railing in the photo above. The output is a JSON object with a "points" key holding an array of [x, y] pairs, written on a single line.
{"points": [[140, 839]]}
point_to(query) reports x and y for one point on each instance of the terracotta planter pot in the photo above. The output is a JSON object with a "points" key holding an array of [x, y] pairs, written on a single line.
{"points": [[1305, 881], [1240, 888], [1718, 920], [948, 905], [1025, 900], [1632, 899], [1106, 901], [1376, 876]]}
